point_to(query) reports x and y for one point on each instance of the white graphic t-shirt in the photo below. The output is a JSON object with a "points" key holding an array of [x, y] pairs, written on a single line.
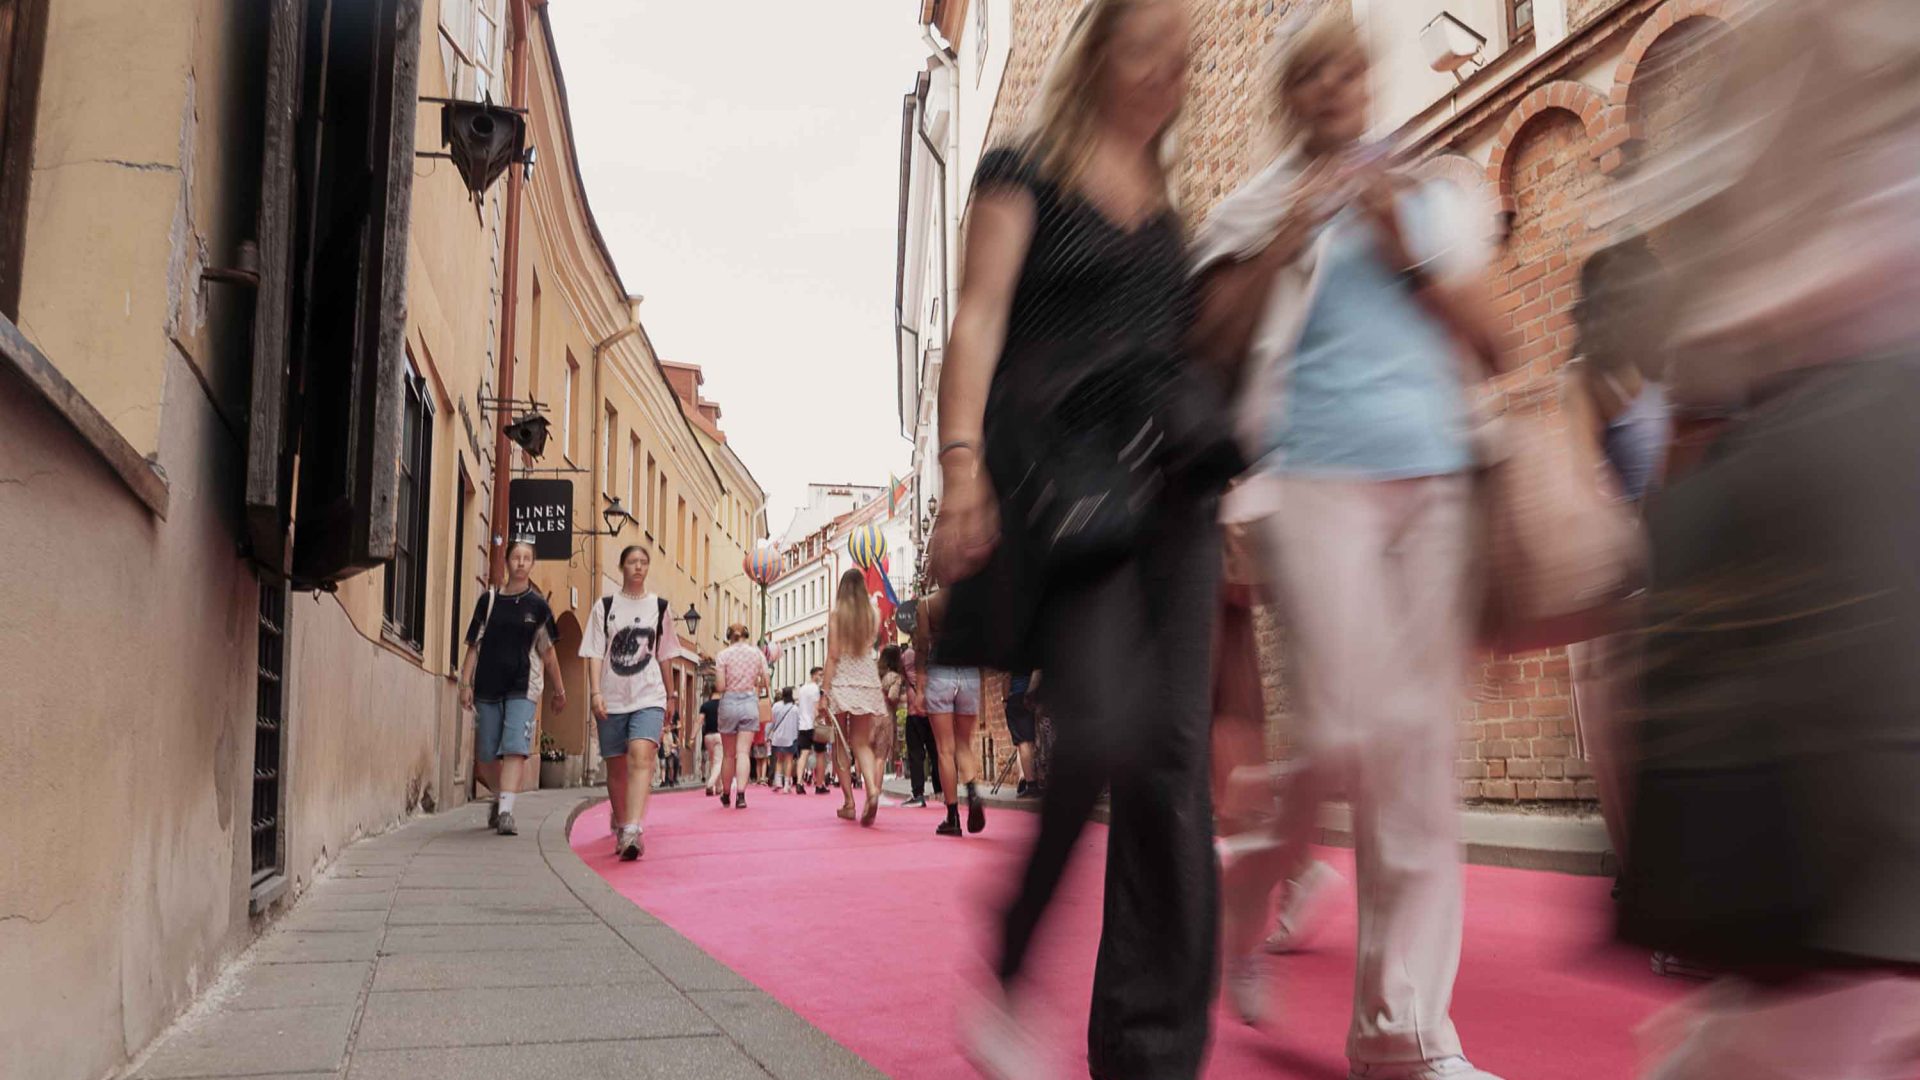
{"points": [[808, 698], [621, 631]]}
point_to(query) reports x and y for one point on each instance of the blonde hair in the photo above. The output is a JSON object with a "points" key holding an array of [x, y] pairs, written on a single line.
{"points": [[853, 619], [1066, 118], [1300, 50]]}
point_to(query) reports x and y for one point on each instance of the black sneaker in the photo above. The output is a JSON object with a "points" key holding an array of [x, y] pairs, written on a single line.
{"points": [[917, 800], [493, 815], [505, 825], [726, 798], [949, 827], [819, 789], [976, 814], [741, 802], [1021, 791]]}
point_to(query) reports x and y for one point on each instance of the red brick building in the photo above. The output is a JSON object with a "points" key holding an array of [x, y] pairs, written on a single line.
{"points": [[1565, 97]]}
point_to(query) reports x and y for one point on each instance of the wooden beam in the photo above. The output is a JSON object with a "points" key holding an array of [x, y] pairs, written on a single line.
{"points": [[134, 470]]}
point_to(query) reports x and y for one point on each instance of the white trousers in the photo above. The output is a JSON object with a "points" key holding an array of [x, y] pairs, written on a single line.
{"points": [[1372, 578]]}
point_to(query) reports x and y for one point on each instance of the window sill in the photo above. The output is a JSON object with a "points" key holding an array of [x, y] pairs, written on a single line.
{"points": [[266, 893], [142, 477], [391, 638]]}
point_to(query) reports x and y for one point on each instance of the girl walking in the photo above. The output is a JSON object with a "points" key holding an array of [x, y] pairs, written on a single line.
{"points": [[509, 656], [741, 674], [853, 688], [628, 636], [1076, 269]]}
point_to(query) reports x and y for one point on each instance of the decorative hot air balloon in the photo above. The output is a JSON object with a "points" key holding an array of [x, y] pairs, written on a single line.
{"points": [[762, 564], [773, 651], [868, 546]]}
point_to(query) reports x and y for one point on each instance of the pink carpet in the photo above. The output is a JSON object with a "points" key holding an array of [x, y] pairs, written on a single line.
{"points": [[871, 934]]}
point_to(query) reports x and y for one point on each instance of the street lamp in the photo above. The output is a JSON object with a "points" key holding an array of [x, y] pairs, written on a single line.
{"points": [[616, 517], [692, 619]]}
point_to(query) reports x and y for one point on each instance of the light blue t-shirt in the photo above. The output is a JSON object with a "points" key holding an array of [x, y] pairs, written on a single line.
{"points": [[1373, 390]]}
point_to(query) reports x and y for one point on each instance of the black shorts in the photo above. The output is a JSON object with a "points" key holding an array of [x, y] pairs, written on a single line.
{"points": [[1019, 721]]}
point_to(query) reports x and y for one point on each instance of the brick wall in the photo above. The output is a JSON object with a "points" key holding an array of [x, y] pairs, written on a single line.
{"points": [[1517, 735]]}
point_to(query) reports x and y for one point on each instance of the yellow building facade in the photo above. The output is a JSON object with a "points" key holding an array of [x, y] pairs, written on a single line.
{"points": [[246, 471]]}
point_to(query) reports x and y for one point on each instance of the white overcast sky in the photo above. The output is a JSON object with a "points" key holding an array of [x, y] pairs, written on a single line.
{"points": [[742, 160]]}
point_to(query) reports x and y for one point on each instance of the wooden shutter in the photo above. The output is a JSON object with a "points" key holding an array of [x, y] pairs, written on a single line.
{"points": [[269, 456], [360, 87]]}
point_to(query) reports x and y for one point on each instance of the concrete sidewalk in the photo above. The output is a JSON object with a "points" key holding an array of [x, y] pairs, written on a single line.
{"points": [[441, 950]]}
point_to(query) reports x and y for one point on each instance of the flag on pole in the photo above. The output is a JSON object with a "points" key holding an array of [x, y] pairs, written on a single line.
{"points": [[893, 494]]}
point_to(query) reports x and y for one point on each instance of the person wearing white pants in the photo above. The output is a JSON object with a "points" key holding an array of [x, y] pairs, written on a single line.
{"points": [[1347, 289]]}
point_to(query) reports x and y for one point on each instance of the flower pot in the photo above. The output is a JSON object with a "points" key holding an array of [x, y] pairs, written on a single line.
{"points": [[553, 774]]}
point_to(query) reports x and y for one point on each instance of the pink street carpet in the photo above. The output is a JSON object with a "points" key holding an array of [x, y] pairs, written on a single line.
{"points": [[874, 935]]}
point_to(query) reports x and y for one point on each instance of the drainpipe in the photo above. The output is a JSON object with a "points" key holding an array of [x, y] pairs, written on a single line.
{"points": [[509, 308]]}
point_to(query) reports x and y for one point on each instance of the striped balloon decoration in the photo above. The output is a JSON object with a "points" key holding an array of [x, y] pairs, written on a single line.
{"points": [[867, 546], [762, 564]]}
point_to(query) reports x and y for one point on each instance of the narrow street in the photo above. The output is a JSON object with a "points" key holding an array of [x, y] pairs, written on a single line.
{"points": [[441, 950]]}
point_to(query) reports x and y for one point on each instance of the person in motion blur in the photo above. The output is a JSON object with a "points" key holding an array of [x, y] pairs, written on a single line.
{"points": [[629, 635], [923, 754], [854, 693], [952, 697], [710, 743], [740, 673], [509, 655], [1022, 690], [818, 748], [1612, 390], [1351, 289], [898, 691], [784, 737], [1773, 831], [1075, 264]]}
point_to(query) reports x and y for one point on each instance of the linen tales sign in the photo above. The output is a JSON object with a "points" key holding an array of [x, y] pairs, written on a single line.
{"points": [[543, 509]]}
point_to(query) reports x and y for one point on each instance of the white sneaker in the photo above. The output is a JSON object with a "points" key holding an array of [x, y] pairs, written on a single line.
{"points": [[1447, 1068], [998, 1044], [631, 845], [1306, 902], [1246, 979]]}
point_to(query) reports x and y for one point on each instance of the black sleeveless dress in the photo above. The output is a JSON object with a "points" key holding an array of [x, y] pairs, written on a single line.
{"points": [[1091, 293]]}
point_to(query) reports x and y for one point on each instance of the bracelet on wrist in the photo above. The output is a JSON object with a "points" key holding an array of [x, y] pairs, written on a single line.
{"points": [[958, 444]]}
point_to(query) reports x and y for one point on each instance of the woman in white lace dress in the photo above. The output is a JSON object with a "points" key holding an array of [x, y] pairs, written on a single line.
{"points": [[853, 687]]}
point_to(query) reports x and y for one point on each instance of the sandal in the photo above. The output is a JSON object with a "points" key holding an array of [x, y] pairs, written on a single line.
{"points": [[846, 812]]}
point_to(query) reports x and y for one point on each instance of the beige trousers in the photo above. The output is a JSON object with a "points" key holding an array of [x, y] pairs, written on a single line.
{"points": [[1372, 578]]}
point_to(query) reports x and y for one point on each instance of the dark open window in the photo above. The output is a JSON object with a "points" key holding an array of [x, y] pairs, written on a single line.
{"points": [[23, 37], [406, 598], [330, 379]]}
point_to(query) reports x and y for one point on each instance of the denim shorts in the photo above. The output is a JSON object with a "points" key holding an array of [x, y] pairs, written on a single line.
{"points": [[503, 728], [621, 729], [739, 712], [953, 691]]}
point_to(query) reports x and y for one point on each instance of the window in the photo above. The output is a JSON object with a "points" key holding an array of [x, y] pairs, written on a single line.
{"points": [[680, 532], [469, 42], [634, 490], [646, 515], [23, 35], [609, 483], [1519, 19], [980, 40], [566, 407], [660, 512], [406, 588]]}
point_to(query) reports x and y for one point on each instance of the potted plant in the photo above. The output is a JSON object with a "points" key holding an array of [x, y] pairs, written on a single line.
{"points": [[553, 762]]}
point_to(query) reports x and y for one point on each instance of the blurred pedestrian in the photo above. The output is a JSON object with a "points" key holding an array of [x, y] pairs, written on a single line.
{"points": [[854, 693], [1612, 390], [1021, 690], [710, 743], [953, 711], [1351, 288], [923, 754], [1773, 830], [509, 660], [629, 635], [740, 672], [1075, 274], [785, 738], [897, 688], [813, 707]]}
